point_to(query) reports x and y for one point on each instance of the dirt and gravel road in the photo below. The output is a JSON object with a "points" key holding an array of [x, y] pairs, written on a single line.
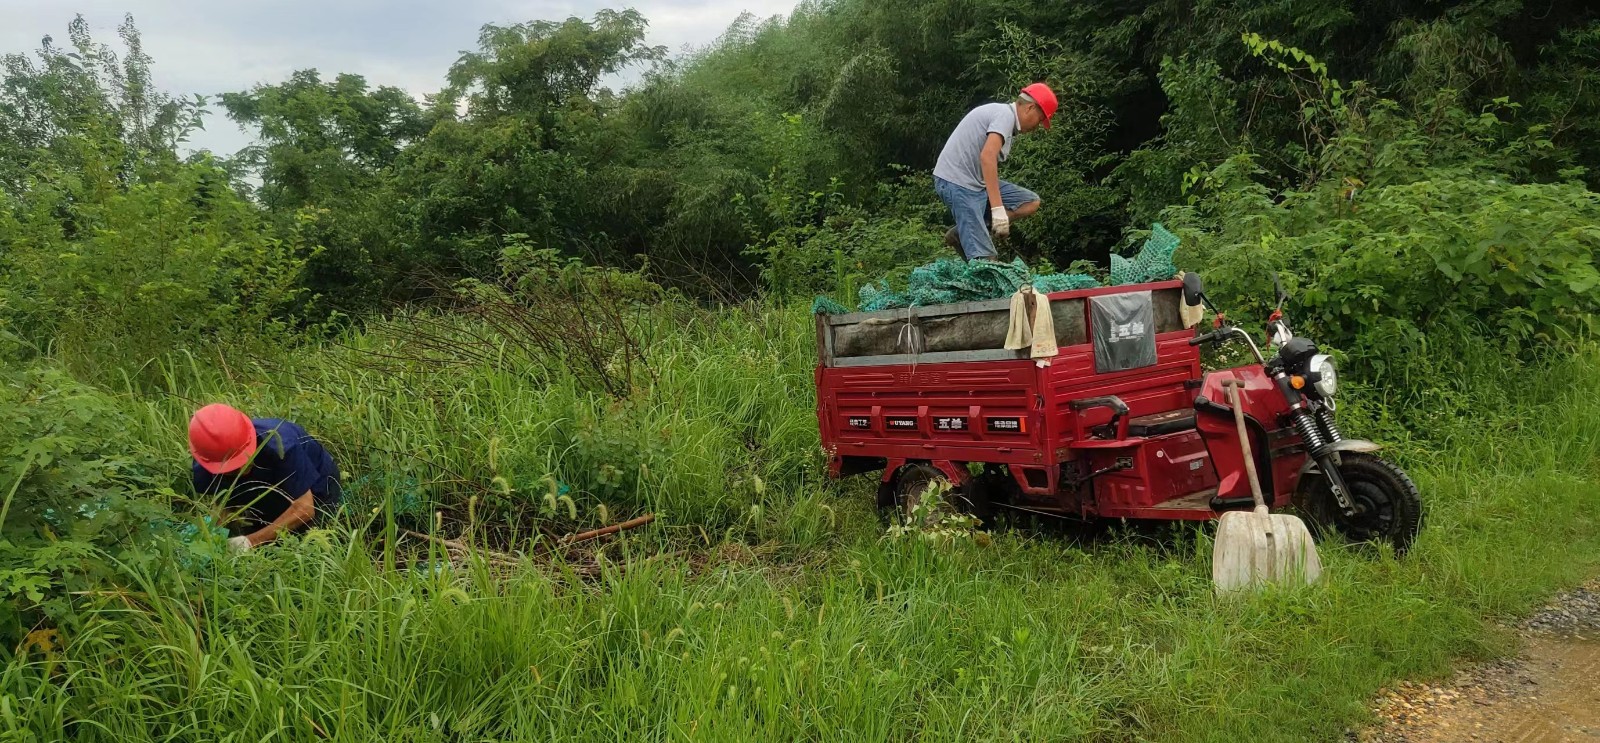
{"points": [[1548, 693]]}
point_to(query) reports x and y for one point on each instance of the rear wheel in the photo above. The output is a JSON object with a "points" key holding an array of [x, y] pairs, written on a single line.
{"points": [[1388, 506], [914, 484]]}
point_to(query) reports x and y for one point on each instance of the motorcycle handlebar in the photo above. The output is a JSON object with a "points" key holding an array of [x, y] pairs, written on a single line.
{"points": [[1227, 330]]}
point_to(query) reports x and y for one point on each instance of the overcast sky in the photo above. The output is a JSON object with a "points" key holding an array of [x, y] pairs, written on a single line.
{"points": [[216, 46]]}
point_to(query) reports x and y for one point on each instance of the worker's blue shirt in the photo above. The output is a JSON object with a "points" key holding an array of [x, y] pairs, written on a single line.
{"points": [[288, 461]]}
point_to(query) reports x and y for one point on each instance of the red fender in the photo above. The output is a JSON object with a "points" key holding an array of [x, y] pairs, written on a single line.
{"points": [[1264, 407], [957, 472]]}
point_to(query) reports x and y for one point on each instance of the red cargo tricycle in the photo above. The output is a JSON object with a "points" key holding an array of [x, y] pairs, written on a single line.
{"points": [[1121, 422]]}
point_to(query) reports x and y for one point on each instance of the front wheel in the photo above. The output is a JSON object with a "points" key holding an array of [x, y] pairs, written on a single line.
{"points": [[1387, 504]]}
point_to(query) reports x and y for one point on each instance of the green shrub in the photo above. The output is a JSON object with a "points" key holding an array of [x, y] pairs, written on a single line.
{"points": [[139, 272], [1412, 228], [844, 253], [80, 494], [1382, 270]]}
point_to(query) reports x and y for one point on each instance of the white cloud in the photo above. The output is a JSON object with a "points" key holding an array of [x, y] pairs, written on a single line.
{"points": [[209, 47]]}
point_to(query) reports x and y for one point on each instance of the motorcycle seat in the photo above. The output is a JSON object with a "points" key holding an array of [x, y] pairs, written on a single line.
{"points": [[1157, 424]]}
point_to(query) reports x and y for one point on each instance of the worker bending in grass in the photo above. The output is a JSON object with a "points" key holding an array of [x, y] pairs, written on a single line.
{"points": [[967, 176], [276, 476]]}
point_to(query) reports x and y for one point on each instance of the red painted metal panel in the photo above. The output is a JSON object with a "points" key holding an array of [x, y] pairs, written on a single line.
{"points": [[1016, 413], [1271, 431]]}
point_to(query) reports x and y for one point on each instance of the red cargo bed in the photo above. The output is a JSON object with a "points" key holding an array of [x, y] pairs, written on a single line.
{"points": [[933, 384]]}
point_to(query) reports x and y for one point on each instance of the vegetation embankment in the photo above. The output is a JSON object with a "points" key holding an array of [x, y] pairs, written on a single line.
{"points": [[402, 284]]}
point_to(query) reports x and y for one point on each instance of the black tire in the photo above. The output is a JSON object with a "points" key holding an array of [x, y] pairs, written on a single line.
{"points": [[1388, 504], [885, 499], [993, 485], [914, 479]]}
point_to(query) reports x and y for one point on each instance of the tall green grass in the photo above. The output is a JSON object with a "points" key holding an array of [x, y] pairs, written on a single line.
{"points": [[792, 617], [726, 408]]}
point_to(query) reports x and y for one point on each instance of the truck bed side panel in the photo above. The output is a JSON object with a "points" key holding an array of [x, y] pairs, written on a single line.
{"points": [[978, 411]]}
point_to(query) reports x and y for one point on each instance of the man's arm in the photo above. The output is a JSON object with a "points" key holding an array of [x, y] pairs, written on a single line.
{"points": [[298, 514], [989, 159], [999, 220]]}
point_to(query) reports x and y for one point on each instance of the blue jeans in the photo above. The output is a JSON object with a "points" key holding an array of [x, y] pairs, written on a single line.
{"points": [[971, 210]]}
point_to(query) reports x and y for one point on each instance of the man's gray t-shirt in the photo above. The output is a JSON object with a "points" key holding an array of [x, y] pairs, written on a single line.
{"points": [[958, 161]]}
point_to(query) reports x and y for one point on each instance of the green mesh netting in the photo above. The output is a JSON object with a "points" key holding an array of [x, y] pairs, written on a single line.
{"points": [[826, 306], [947, 281], [1153, 263], [1063, 282]]}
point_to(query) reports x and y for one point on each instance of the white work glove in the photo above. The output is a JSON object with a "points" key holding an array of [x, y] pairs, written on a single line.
{"points": [[237, 545], [999, 221]]}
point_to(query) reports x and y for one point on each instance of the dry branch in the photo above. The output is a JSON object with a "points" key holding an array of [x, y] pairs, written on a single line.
{"points": [[612, 529]]}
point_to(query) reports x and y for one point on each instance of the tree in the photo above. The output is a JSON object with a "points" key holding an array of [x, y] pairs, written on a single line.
{"points": [[533, 70], [113, 245], [527, 155], [88, 110], [323, 158], [320, 139]]}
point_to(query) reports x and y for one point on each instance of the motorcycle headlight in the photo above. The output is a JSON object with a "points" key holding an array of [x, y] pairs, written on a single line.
{"points": [[1327, 377]]}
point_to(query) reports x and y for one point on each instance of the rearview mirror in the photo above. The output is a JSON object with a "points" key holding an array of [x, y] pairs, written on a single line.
{"points": [[1283, 296], [1193, 291]]}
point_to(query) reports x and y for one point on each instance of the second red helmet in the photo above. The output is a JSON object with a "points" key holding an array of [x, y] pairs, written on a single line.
{"points": [[221, 438]]}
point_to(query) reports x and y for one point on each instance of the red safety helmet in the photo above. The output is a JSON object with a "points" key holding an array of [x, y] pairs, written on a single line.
{"points": [[221, 438], [1045, 97]]}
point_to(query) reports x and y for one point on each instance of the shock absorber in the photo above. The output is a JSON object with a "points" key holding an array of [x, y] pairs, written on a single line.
{"points": [[1325, 416], [1310, 434]]}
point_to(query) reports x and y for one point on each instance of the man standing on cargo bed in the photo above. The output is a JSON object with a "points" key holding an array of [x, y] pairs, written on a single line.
{"points": [[277, 477], [967, 176]]}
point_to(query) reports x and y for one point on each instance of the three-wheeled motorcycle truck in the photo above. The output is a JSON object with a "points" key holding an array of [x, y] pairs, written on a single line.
{"points": [[1122, 422]]}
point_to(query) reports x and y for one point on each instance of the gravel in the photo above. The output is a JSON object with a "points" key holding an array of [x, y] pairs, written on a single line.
{"points": [[1572, 614], [1413, 712], [1458, 708]]}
